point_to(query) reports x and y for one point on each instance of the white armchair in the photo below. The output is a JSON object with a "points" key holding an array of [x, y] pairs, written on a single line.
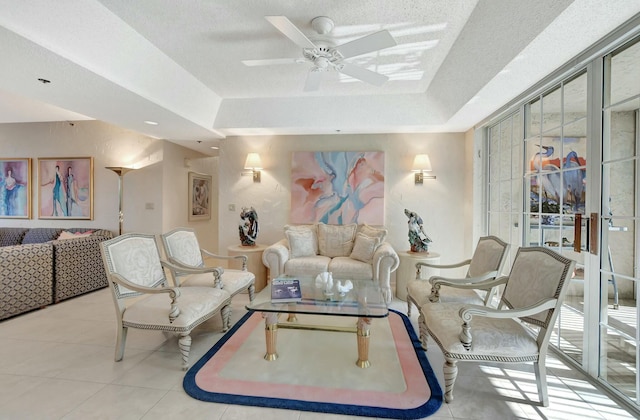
{"points": [[183, 251], [486, 263], [517, 331], [135, 270], [484, 266]]}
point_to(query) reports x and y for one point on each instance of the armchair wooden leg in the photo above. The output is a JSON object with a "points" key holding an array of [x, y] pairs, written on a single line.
{"points": [[252, 290], [541, 380], [450, 374], [120, 341], [423, 331], [184, 343], [225, 312]]}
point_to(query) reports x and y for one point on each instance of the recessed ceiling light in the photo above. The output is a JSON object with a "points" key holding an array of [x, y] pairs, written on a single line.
{"points": [[151, 122], [215, 147]]}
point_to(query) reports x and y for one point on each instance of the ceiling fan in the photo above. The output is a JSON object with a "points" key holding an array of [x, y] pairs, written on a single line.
{"points": [[324, 55]]}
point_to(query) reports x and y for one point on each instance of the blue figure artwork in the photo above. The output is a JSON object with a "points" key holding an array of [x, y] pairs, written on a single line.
{"points": [[58, 193], [71, 191], [13, 199]]}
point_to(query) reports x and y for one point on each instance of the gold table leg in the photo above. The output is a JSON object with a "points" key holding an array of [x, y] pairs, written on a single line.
{"points": [[292, 318], [363, 334], [271, 335]]}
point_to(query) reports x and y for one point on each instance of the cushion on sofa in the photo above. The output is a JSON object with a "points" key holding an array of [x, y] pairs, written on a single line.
{"points": [[336, 240], [12, 236], [348, 268], [309, 266], [65, 234], [314, 231], [41, 235], [373, 232], [302, 242], [364, 248]]}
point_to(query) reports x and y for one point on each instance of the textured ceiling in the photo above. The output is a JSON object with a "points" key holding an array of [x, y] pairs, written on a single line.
{"points": [[180, 63]]}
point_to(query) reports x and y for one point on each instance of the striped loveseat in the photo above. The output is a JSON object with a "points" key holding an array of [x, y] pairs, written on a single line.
{"points": [[38, 269]]}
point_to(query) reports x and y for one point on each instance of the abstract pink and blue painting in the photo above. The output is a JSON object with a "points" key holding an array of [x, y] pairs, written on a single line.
{"points": [[337, 187]]}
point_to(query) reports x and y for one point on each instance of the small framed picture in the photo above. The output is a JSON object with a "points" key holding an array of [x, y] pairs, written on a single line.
{"points": [[199, 196], [65, 188], [15, 188]]}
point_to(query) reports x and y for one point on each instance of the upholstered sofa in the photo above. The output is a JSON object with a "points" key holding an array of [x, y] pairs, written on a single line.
{"points": [[347, 251], [38, 266]]}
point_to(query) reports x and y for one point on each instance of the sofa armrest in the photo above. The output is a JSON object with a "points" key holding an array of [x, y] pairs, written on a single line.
{"points": [[385, 262], [275, 256], [26, 278], [78, 266]]}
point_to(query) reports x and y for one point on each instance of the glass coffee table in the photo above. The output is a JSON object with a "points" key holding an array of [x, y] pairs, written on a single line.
{"points": [[364, 301]]}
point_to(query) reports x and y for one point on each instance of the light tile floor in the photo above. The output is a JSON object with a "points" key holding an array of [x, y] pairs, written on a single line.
{"points": [[57, 363]]}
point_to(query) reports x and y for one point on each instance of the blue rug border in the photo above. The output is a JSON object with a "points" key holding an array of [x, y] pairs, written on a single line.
{"points": [[428, 408]]}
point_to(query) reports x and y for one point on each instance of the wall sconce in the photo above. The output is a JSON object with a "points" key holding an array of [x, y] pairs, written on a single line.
{"points": [[120, 171], [252, 166], [422, 164]]}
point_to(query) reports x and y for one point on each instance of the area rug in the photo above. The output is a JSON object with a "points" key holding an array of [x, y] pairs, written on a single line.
{"points": [[316, 370]]}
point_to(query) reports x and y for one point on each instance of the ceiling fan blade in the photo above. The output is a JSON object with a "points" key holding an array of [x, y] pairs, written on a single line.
{"points": [[313, 80], [272, 61], [363, 74], [291, 31], [374, 42]]}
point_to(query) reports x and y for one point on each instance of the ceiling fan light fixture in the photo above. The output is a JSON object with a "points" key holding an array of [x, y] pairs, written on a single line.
{"points": [[322, 25], [322, 62], [325, 56]]}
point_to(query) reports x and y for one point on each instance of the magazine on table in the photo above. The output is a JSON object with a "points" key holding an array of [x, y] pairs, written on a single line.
{"points": [[285, 290]]}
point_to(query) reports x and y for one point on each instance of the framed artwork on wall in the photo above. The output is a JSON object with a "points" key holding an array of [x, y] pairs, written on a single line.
{"points": [[15, 188], [65, 188], [337, 187], [199, 196]]}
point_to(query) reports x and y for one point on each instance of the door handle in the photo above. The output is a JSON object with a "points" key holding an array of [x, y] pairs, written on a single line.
{"points": [[577, 233], [591, 241], [593, 233]]}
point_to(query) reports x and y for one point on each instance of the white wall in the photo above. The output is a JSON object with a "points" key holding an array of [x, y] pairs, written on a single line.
{"points": [[441, 203], [177, 162], [160, 180]]}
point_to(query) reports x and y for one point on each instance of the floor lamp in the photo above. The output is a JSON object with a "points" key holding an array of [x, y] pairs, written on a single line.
{"points": [[120, 171]]}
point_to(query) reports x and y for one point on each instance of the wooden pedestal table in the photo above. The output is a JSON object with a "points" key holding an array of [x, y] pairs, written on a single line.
{"points": [[407, 269], [364, 301], [254, 262]]}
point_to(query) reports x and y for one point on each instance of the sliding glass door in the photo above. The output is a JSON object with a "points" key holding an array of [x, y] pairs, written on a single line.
{"points": [[556, 146], [567, 162], [620, 215]]}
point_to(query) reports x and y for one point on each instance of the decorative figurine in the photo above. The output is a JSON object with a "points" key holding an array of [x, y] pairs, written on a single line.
{"points": [[343, 289], [248, 226], [418, 239], [324, 281]]}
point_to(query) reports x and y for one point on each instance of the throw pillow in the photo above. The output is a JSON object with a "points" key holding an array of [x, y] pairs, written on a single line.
{"points": [[65, 234], [373, 232], [312, 228], [301, 242], [364, 248], [40, 235], [336, 240]]}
